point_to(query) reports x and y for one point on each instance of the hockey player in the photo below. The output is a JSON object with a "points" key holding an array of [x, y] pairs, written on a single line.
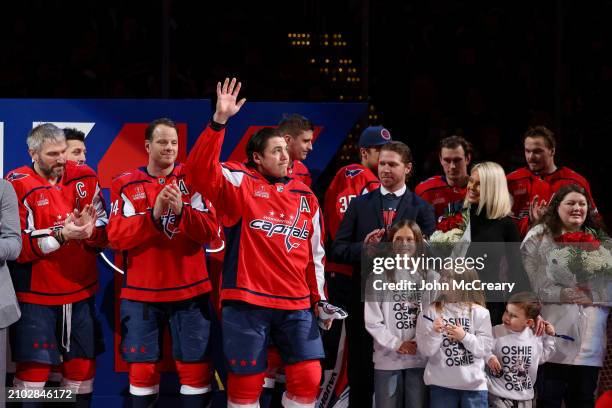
{"points": [[76, 145], [532, 187], [63, 224], [273, 273], [298, 133], [445, 190], [160, 222]]}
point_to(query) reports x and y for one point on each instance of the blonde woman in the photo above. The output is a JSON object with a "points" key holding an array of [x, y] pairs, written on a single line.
{"points": [[489, 222]]}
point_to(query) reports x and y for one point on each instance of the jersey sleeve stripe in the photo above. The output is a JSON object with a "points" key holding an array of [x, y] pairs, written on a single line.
{"points": [[234, 177], [318, 253], [128, 209], [197, 203]]}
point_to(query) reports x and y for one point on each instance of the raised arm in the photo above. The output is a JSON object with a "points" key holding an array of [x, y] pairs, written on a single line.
{"points": [[221, 185]]}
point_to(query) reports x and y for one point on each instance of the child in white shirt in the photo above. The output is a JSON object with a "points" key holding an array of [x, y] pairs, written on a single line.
{"points": [[517, 352], [391, 318], [455, 334]]}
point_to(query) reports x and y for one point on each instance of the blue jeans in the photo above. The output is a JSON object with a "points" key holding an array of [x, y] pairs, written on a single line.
{"points": [[400, 388], [448, 397]]}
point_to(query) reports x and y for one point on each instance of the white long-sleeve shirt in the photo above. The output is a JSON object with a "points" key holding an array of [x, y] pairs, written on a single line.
{"points": [[519, 354], [392, 321], [456, 364]]}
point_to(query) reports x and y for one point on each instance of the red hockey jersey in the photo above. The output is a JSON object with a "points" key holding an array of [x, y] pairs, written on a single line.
{"points": [[163, 261], [275, 249], [68, 274], [300, 172], [349, 182], [437, 192], [525, 185]]}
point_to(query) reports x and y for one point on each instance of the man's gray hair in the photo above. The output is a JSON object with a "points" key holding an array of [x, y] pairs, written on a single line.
{"points": [[45, 132]]}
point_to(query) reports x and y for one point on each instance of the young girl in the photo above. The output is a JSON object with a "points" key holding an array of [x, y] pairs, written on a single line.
{"points": [[391, 318], [455, 334]]}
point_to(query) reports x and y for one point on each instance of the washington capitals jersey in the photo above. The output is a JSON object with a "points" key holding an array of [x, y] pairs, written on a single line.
{"points": [[350, 181], [163, 260], [300, 172], [274, 231], [525, 185], [69, 273], [437, 192]]}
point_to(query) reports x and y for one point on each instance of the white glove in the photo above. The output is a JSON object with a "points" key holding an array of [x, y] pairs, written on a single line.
{"points": [[327, 311]]}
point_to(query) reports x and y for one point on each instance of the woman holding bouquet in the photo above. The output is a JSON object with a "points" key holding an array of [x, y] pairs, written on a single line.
{"points": [[559, 275]]}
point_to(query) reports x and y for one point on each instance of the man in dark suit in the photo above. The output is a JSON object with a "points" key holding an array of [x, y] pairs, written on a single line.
{"points": [[367, 219]]}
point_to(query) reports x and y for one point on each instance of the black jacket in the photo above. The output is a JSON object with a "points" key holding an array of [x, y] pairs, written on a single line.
{"points": [[364, 215]]}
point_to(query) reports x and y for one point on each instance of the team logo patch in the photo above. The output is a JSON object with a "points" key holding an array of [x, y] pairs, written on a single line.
{"points": [[289, 228], [261, 192], [280, 188], [161, 180], [42, 200], [126, 173], [169, 223], [139, 193], [16, 176], [352, 172], [384, 133], [519, 191]]}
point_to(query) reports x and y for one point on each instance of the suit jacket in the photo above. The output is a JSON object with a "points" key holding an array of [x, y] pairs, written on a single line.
{"points": [[364, 214], [10, 246]]}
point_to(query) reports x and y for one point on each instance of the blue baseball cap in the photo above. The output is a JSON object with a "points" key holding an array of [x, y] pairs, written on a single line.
{"points": [[374, 136]]}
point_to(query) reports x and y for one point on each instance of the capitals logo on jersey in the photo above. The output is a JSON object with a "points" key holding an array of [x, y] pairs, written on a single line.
{"points": [[169, 223], [272, 225]]}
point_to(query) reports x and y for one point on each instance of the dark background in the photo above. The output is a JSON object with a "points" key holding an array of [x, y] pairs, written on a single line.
{"points": [[428, 69]]}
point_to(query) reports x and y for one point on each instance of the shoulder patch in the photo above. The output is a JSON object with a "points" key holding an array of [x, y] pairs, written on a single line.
{"points": [[125, 173], [352, 172], [16, 176]]}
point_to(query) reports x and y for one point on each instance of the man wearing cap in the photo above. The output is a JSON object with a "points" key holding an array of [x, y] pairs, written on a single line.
{"points": [[350, 181], [445, 190]]}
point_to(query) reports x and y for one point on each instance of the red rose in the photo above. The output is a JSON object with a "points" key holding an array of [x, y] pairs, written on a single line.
{"points": [[584, 240], [451, 222]]}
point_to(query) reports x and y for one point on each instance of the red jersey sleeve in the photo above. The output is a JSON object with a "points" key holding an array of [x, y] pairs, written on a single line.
{"points": [[221, 185], [99, 237], [30, 249], [128, 226], [315, 270], [198, 220]]}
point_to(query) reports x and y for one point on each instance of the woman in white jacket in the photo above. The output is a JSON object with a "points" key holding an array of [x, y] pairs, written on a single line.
{"points": [[390, 318], [574, 309]]}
